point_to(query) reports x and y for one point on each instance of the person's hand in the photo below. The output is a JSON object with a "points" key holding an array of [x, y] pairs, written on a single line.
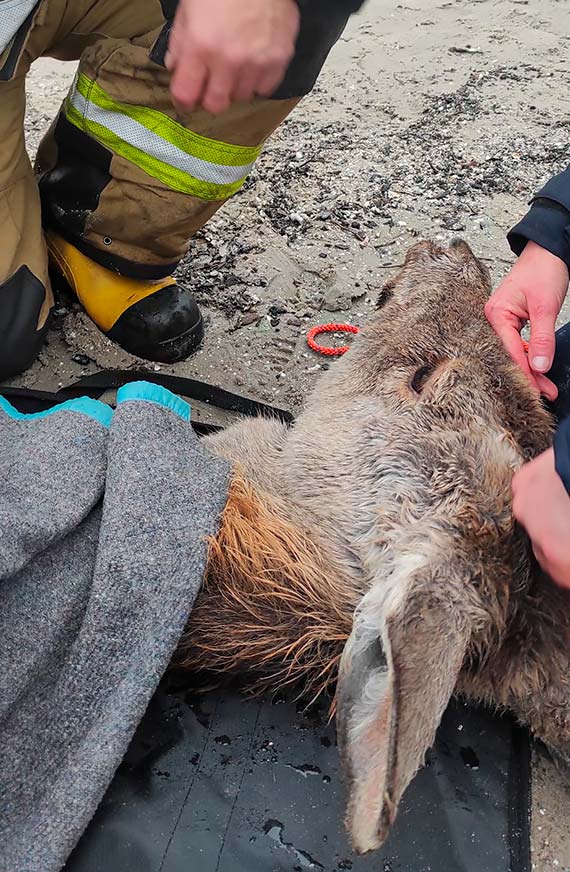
{"points": [[534, 291], [542, 505], [224, 51]]}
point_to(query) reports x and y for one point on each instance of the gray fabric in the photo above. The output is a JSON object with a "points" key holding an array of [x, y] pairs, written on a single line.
{"points": [[102, 551]]}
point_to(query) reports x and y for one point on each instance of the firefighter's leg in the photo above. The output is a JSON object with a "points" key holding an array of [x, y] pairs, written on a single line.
{"points": [[25, 294], [126, 180]]}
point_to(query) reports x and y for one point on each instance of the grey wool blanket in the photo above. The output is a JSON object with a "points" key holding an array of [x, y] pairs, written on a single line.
{"points": [[103, 520]]}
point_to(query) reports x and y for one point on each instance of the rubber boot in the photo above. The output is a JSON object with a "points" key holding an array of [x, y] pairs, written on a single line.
{"points": [[157, 321]]}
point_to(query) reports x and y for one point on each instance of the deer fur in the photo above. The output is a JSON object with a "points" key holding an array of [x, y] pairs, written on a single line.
{"points": [[372, 543]]}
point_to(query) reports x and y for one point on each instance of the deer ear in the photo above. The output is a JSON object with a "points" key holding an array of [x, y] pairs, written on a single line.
{"points": [[397, 674]]}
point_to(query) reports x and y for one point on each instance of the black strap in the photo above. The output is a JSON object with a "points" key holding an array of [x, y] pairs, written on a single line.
{"points": [[28, 400]]}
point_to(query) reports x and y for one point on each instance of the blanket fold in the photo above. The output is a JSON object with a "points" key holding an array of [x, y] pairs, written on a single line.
{"points": [[103, 524]]}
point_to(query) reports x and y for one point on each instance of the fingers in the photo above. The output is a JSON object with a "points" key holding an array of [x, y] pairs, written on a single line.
{"points": [[546, 387], [261, 79], [188, 82], [511, 339], [188, 69], [507, 326], [245, 87], [215, 89], [219, 88], [272, 74], [542, 316], [533, 291], [271, 78]]}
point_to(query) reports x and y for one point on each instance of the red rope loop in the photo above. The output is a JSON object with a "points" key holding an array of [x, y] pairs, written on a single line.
{"points": [[329, 328]]}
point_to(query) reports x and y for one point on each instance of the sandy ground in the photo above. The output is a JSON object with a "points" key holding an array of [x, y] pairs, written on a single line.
{"points": [[431, 119]]}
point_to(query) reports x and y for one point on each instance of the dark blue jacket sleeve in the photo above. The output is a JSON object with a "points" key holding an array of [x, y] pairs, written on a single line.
{"points": [[562, 452], [548, 221], [349, 6]]}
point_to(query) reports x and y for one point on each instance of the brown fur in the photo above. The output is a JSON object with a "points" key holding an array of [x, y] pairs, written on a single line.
{"points": [[374, 540], [293, 608]]}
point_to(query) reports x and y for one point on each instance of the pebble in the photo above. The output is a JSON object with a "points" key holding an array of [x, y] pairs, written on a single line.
{"points": [[278, 307], [82, 359], [298, 218], [248, 318]]}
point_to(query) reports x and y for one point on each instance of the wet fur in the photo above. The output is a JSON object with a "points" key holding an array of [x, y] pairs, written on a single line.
{"points": [[295, 610], [377, 533]]}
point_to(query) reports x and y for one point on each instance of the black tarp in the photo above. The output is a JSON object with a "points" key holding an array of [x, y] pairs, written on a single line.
{"points": [[226, 784]]}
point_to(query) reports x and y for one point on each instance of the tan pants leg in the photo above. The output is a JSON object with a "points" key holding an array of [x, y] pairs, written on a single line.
{"points": [[128, 180], [25, 294]]}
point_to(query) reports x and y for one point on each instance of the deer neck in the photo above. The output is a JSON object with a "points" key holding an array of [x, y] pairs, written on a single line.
{"points": [[272, 605]]}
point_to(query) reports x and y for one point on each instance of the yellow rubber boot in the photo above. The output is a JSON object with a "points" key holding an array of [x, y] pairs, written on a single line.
{"points": [[155, 320]]}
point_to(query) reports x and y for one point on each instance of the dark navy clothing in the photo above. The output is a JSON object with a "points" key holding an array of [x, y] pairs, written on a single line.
{"points": [[560, 375], [548, 220], [562, 452]]}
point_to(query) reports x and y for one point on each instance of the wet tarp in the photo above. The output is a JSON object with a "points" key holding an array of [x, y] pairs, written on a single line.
{"points": [[220, 783]]}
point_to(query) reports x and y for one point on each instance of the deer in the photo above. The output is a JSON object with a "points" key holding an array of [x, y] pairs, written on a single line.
{"points": [[370, 549]]}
